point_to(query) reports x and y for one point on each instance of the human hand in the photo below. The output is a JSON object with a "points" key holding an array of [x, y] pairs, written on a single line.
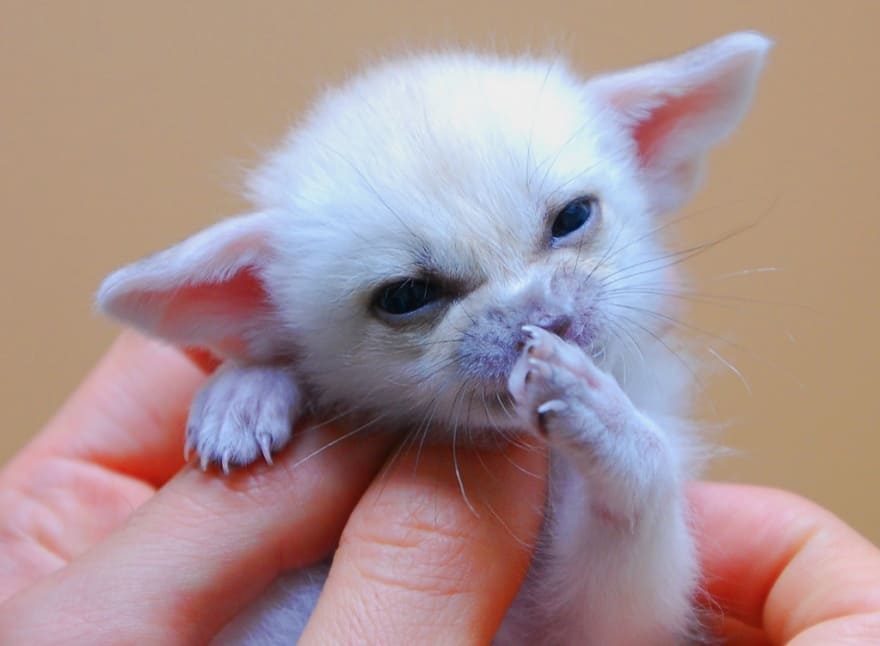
{"points": [[104, 539], [92, 553], [779, 569]]}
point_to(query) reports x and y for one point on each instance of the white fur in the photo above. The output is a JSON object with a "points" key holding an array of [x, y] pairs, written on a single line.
{"points": [[454, 165], [242, 413]]}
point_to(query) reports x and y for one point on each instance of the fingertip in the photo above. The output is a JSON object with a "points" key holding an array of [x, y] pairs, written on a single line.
{"points": [[443, 542], [127, 415]]}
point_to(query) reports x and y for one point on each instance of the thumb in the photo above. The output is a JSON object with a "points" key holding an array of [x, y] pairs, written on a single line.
{"points": [[784, 567]]}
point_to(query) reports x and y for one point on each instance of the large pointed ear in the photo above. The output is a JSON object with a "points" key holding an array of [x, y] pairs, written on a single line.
{"points": [[208, 291], [674, 110]]}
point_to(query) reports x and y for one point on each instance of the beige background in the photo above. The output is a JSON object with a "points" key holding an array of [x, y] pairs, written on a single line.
{"points": [[125, 126]]}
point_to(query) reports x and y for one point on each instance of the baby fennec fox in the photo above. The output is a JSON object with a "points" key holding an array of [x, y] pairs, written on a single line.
{"points": [[465, 245]]}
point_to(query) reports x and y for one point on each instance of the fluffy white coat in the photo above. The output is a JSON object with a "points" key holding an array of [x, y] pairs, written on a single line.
{"points": [[451, 172]]}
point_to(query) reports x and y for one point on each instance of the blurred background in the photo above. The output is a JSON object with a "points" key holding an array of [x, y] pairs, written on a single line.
{"points": [[126, 126]]}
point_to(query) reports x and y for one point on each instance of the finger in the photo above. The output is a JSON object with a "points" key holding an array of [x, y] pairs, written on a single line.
{"points": [[84, 474], [201, 549], [780, 563], [128, 415], [851, 630], [435, 551]]}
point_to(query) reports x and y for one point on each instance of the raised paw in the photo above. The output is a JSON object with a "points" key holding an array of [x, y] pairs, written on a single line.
{"points": [[242, 413], [584, 414], [561, 393]]}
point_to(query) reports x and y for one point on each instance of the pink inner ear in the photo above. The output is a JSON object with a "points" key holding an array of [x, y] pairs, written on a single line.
{"points": [[236, 296], [233, 303], [216, 314], [650, 133]]}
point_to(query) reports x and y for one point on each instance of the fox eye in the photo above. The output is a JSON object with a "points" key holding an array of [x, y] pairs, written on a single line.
{"points": [[573, 216], [407, 296]]}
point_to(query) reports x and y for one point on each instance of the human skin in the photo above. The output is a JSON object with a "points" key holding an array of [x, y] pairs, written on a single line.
{"points": [[106, 537]]}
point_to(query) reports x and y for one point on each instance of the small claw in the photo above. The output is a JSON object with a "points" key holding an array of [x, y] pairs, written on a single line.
{"points": [[266, 447], [531, 331], [224, 461], [204, 462], [188, 446], [552, 406]]}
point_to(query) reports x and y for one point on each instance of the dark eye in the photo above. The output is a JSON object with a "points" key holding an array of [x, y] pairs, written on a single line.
{"points": [[573, 216], [407, 296]]}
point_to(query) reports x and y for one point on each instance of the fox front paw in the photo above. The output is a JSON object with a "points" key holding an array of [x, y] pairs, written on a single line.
{"points": [[563, 395], [585, 415], [242, 413]]}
